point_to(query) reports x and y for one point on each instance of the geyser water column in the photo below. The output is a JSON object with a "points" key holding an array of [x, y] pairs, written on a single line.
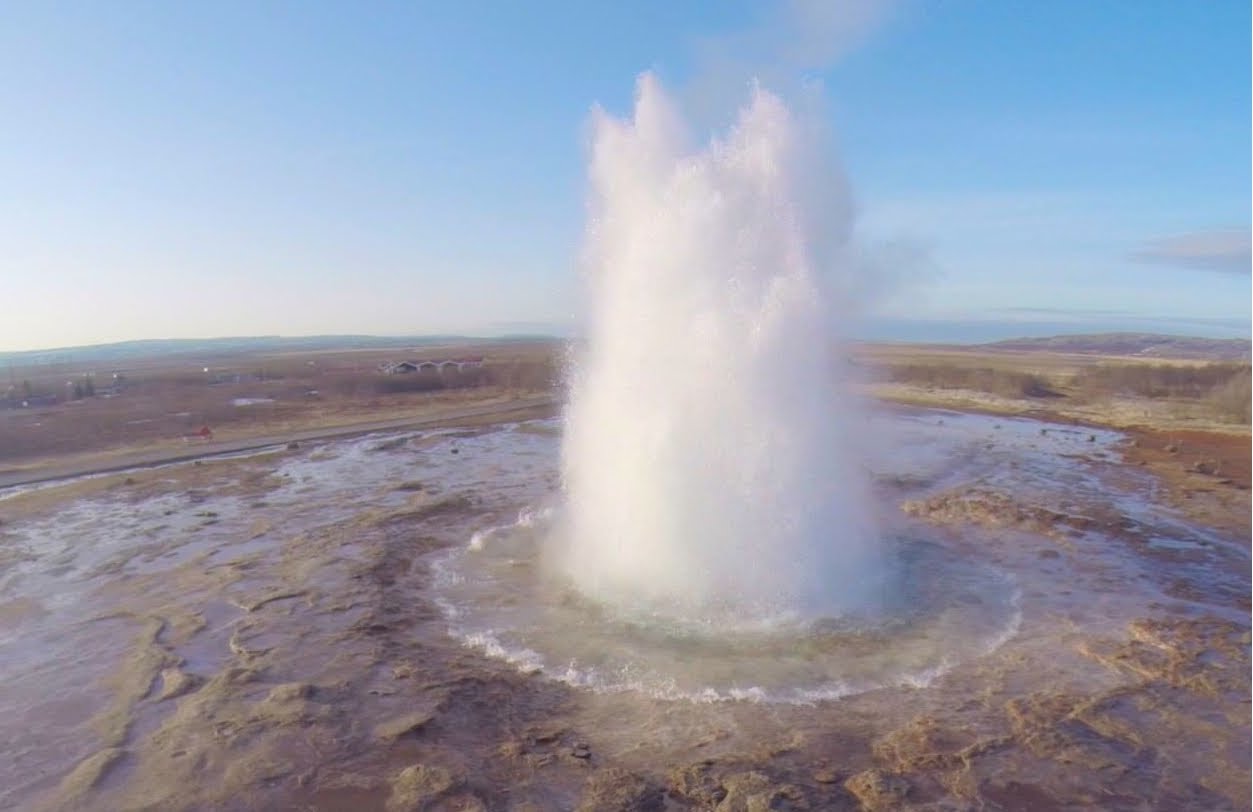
{"points": [[707, 463]]}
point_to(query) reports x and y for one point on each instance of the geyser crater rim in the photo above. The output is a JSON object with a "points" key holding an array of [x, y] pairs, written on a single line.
{"points": [[574, 640]]}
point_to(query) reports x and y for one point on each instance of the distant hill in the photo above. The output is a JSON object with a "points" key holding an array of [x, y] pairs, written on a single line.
{"points": [[1144, 345], [167, 347]]}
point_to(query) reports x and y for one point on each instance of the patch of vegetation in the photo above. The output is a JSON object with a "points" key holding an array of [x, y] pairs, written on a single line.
{"points": [[1003, 382], [1232, 399], [1221, 390], [1224, 388], [1157, 380]]}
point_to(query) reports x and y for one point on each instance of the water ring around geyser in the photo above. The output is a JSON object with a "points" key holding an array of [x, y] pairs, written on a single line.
{"points": [[942, 610]]}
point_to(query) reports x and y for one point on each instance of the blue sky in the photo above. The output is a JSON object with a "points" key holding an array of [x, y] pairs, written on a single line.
{"points": [[180, 169]]}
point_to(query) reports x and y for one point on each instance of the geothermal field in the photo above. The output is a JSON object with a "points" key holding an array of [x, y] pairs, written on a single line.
{"points": [[714, 575]]}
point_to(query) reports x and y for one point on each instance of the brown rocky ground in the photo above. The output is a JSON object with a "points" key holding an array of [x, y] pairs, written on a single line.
{"points": [[274, 657], [1204, 474]]}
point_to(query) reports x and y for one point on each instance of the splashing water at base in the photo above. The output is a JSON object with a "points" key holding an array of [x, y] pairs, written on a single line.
{"points": [[714, 539], [707, 461], [945, 610]]}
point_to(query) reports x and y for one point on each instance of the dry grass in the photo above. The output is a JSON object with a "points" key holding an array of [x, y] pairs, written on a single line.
{"points": [[1002, 382], [165, 399], [1111, 390], [1223, 388]]}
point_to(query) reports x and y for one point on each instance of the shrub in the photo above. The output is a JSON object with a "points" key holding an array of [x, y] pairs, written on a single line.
{"points": [[1157, 380], [1232, 399], [1007, 383]]}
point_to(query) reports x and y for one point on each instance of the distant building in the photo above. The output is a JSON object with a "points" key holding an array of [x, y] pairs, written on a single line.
{"points": [[443, 366]]}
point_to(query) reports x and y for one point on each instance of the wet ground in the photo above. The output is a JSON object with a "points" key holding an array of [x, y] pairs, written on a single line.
{"points": [[359, 624]]}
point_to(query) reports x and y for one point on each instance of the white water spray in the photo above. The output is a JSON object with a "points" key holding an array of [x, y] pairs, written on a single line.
{"points": [[707, 463]]}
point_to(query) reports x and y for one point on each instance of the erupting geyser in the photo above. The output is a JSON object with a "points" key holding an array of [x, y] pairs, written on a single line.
{"points": [[716, 541], [708, 460]]}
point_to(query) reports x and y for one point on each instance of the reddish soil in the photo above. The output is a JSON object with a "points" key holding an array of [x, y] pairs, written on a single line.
{"points": [[1204, 474]]}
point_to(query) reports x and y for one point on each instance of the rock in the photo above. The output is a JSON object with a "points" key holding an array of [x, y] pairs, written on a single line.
{"points": [[290, 691], [990, 508], [293, 446], [89, 771], [756, 792], [876, 790], [826, 775], [581, 751], [514, 749], [696, 784], [257, 770], [238, 675], [402, 725], [415, 786], [1017, 795], [1172, 448], [175, 682], [1050, 554], [289, 704], [1206, 467], [618, 790], [545, 734]]}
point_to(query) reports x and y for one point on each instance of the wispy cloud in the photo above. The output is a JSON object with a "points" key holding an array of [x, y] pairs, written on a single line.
{"points": [[1114, 319], [1065, 311], [782, 48], [1229, 251], [815, 34]]}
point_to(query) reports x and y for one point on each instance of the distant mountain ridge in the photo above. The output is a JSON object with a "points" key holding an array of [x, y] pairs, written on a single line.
{"points": [[120, 351], [1144, 345]]}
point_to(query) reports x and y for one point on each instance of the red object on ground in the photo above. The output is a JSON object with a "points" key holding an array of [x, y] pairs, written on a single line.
{"points": [[206, 432]]}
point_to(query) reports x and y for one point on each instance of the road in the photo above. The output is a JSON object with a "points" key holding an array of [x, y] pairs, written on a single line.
{"points": [[148, 459]]}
